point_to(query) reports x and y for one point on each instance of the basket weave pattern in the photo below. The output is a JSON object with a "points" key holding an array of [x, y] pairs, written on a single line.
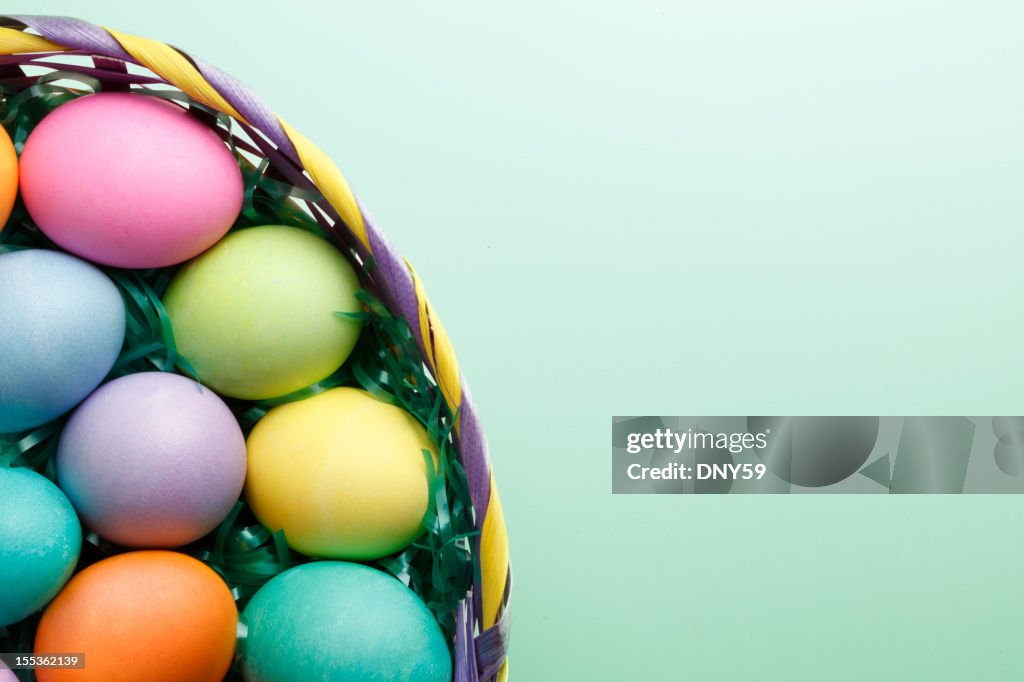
{"points": [[58, 43]]}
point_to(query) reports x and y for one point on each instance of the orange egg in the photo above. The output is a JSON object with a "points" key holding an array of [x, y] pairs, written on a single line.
{"points": [[8, 177], [150, 616]]}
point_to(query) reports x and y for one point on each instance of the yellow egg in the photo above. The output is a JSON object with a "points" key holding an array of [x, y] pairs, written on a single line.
{"points": [[8, 177], [342, 473]]}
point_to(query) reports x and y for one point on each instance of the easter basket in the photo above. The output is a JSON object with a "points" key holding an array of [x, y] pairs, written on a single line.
{"points": [[460, 568]]}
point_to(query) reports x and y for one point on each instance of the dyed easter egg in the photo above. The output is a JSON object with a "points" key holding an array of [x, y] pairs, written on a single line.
{"points": [[63, 325], [352, 620], [8, 182], [256, 314], [342, 473], [150, 616], [40, 540], [6, 674], [152, 460], [129, 180]]}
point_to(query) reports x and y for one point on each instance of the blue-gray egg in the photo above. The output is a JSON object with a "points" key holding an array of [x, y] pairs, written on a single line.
{"points": [[63, 325]]}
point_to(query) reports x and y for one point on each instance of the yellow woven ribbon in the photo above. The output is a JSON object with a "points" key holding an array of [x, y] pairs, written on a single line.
{"points": [[494, 554], [13, 41]]}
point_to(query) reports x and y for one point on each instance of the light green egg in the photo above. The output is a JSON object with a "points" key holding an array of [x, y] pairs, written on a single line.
{"points": [[255, 315]]}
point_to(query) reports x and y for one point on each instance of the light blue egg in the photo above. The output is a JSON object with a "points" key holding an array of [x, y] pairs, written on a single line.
{"points": [[40, 540], [62, 325], [343, 622]]}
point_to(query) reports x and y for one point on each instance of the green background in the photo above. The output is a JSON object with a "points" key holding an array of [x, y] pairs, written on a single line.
{"points": [[692, 208]]}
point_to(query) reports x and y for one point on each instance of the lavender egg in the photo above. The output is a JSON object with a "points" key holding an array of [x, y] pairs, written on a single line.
{"points": [[152, 460]]}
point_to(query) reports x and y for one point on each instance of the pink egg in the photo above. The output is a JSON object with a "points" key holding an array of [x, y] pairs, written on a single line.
{"points": [[129, 180]]}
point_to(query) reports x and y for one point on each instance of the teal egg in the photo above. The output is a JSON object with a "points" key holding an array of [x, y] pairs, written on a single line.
{"points": [[40, 540], [341, 622]]}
